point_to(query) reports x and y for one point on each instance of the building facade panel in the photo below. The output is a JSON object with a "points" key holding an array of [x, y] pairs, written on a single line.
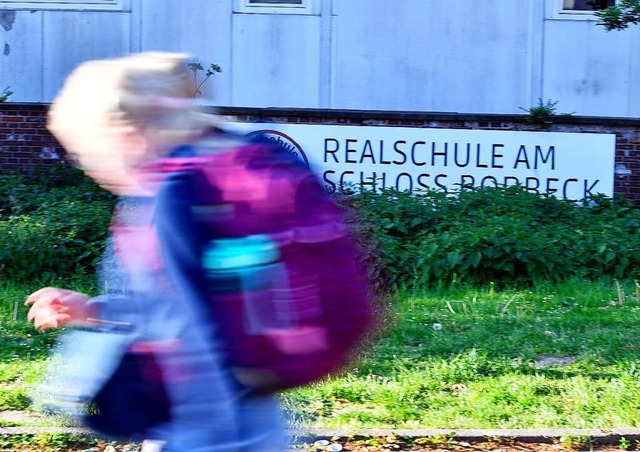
{"points": [[275, 60], [587, 69], [71, 37], [197, 27], [634, 75], [419, 56], [21, 57], [495, 56]]}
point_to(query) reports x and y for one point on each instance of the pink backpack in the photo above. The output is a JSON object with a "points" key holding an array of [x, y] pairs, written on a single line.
{"points": [[284, 281]]}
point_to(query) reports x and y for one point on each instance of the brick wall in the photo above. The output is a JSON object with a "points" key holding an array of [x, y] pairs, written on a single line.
{"points": [[26, 145]]}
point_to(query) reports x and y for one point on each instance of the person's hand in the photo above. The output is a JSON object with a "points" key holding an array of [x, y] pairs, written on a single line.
{"points": [[52, 307]]}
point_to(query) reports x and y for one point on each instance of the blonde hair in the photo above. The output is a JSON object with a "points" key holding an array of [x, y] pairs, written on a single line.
{"points": [[112, 113]]}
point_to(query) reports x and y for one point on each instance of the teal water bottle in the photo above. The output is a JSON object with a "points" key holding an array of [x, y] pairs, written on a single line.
{"points": [[249, 269]]}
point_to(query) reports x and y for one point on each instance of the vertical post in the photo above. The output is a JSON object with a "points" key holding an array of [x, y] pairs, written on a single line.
{"points": [[326, 54]]}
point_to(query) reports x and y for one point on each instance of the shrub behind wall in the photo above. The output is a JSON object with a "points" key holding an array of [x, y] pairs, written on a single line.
{"points": [[52, 226], [55, 226], [499, 235]]}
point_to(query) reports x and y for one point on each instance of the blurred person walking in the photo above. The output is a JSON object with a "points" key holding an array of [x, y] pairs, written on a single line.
{"points": [[167, 351]]}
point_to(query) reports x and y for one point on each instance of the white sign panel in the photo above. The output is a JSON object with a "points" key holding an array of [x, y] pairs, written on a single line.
{"points": [[567, 165]]}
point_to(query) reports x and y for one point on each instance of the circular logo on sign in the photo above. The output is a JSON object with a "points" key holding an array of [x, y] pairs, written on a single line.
{"points": [[285, 141]]}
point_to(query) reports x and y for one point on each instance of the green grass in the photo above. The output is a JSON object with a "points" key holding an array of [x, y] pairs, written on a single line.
{"points": [[563, 355], [23, 350]]}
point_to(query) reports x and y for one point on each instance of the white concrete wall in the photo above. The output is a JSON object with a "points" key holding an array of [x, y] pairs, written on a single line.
{"points": [[591, 71], [422, 56], [42, 47], [492, 56], [275, 60], [22, 58]]}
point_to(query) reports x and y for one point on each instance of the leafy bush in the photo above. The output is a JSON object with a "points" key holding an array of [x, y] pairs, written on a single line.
{"points": [[53, 225], [620, 16], [501, 235]]}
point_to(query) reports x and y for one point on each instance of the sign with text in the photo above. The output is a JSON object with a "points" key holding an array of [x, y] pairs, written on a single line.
{"points": [[567, 165]]}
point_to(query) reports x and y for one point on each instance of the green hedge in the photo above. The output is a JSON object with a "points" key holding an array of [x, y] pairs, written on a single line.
{"points": [[52, 226], [492, 235]]}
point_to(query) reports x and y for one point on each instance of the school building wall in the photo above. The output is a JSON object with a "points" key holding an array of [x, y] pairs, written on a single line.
{"points": [[489, 56]]}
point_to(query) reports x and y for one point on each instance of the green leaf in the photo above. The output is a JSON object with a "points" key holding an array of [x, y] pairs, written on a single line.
{"points": [[475, 259], [453, 259]]}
